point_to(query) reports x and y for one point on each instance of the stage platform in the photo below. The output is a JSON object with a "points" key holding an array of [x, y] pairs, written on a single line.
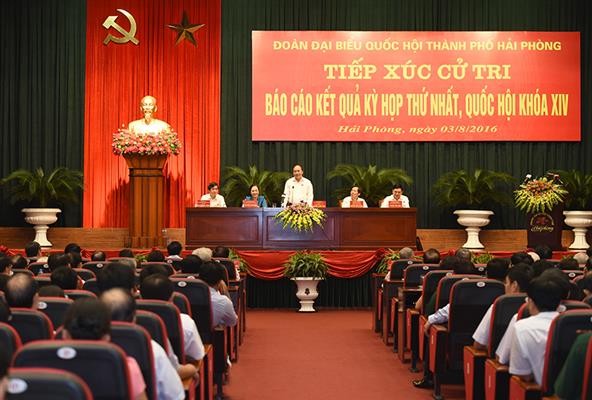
{"points": [[113, 238]]}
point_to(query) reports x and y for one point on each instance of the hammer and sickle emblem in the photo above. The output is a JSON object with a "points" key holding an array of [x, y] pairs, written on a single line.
{"points": [[127, 36]]}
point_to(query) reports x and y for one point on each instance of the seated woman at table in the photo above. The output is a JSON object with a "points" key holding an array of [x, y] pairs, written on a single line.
{"points": [[254, 195], [354, 195]]}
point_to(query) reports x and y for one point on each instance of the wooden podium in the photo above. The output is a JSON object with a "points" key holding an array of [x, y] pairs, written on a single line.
{"points": [[146, 203], [545, 228]]}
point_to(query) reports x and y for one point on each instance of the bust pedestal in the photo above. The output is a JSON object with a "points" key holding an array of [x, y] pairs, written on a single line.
{"points": [[146, 200]]}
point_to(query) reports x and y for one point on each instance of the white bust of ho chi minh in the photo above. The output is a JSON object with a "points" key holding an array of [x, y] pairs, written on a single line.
{"points": [[148, 125]]}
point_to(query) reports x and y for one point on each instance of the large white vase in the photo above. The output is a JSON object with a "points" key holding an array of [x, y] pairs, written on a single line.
{"points": [[473, 220], [41, 218], [580, 221], [307, 292]]}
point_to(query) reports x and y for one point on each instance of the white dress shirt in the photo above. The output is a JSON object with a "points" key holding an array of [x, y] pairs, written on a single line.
{"points": [[481, 334], [298, 191], [222, 309], [168, 382], [530, 344], [403, 199], [346, 202], [440, 316], [217, 201], [194, 347]]}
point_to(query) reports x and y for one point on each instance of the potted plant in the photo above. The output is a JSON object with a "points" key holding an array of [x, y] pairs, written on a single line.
{"points": [[542, 199], [306, 270], [472, 194], [578, 204], [43, 192], [237, 182], [374, 183]]}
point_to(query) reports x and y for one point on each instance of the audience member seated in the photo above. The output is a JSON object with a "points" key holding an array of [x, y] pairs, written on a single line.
{"points": [[160, 287], [98, 256], [75, 259], [51, 291], [56, 260], [155, 256], [521, 257], [204, 253], [126, 253], [544, 252], [33, 252], [21, 291], [447, 263], [580, 257], [191, 265], [154, 269], [529, 336], [117, 275], [568, 384], [66, 278], [222, 255], [6, 266], [464, 254], [431, 256], [174, 250], [540, 266], [515, 281], [169, 386], [497, 268], [222, 309], [586, 285], [5, 313], [19, 262], [405, 253], [568, 264], [89, 319]]}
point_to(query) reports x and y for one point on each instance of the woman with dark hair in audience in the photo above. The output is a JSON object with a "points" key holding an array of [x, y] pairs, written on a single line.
{"points": [[155, 256]]}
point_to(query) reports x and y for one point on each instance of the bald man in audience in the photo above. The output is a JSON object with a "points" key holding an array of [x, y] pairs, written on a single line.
{"points": [[168, 381], [21, 291]]}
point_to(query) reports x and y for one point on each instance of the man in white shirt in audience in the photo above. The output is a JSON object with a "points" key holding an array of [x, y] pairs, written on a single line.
{"points": [[214, 196], [168, 382], [222, 309], [527, 357], [298, 189], [354, 196], [396, 196], [160, 287]]}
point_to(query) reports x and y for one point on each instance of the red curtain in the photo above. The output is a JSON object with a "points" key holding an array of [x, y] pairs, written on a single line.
{"points": [[342, 264], [185, 80]]}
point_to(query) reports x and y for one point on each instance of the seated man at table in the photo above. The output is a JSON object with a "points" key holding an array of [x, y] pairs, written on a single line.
{"points": [[354, 196], [396, 196], [215, 198]]}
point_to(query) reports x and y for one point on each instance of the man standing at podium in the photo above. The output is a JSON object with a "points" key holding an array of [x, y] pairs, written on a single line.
{"points": [[298, 189], [148, 125]]}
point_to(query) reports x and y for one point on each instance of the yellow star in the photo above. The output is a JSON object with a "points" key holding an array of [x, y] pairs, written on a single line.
{"points": [[185, 30]]}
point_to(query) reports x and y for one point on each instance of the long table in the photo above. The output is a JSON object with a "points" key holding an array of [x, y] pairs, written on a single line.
{"points": [[344, 229]]}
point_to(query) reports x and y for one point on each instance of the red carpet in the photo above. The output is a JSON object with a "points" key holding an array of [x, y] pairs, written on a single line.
{"points": [[325, 355]]}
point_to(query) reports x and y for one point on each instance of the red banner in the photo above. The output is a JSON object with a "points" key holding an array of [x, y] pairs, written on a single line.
{"points": [[416, 86]]}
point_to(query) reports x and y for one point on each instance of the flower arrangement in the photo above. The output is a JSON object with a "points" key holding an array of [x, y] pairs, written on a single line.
{"points": [[301, 217], [384, 265], [539, 194], [125, 142]]}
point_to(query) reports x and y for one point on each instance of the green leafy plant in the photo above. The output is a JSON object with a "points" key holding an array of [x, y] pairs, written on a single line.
{"points": [[390, 256], [579, 188], [539, 194], [306, 265], [301, 217], [477, 190], [482, 258], [373, 182], [243, 266], [237, 182], [57, 187]]}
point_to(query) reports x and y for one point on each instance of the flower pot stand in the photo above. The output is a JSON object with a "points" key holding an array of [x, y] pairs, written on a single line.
{"points": [[306, 292], [580, 221], [41, 218], [473, 220]]}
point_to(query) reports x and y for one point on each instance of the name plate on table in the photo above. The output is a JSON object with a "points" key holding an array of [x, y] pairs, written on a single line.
{"points": [[319, 204], [395, 204], [356, 204], [250, 204], [202, 203]]}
